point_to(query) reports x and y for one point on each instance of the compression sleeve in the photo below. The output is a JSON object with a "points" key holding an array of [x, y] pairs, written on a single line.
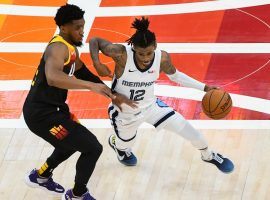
{"points": [[85, 74], [186, 81]]}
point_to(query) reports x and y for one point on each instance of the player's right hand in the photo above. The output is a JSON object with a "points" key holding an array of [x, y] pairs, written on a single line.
{"points": [[102, 89], [208, 88], [103, 70], [122, 99]]}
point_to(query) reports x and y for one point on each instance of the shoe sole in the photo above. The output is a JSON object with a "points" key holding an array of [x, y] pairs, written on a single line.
{"points": [[35, 185], [63, 196], [123, 163]]}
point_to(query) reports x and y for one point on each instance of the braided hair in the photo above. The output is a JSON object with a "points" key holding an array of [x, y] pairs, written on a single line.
{"points": [[142, 37]]}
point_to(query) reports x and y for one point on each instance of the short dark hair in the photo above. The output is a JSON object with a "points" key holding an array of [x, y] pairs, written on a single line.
{"points": [[142, 37], [67, 13]]}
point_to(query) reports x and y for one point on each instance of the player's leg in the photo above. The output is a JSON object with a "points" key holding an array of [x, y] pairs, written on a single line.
{"points": [[68, 136], [125, 129], [164, 117], [82, 140], [42, 177], [183, 128], [57, 157]]}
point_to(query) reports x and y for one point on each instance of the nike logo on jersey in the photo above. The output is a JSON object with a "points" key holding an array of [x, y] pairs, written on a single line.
{"points": [[132, 70], [151, 71]]}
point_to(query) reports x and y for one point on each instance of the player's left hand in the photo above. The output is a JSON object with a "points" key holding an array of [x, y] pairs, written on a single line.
{"points": [[208, 88], [120, 99]]}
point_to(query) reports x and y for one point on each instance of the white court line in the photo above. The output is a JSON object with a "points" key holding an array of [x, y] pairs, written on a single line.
{"points": [[248, 75], [255, 17], [35, 47], [241, 101], [198, 124], [18, 64], [178, 8], [6, 9]]}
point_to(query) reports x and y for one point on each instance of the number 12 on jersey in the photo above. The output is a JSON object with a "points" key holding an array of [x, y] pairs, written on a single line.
{"points": [[136, 95]]}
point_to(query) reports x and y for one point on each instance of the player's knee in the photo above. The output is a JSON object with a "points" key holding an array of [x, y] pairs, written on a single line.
{"points": [[177, 125], [99, 149], [96, 150]]}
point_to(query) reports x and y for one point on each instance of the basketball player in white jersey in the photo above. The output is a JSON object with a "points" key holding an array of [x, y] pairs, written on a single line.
{"points": [[137, 67]]}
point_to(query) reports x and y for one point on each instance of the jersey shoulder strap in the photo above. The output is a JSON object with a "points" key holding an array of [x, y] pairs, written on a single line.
{"points": [[71, 49]]}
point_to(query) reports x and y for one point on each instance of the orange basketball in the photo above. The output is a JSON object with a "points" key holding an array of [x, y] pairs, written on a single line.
{"points": [[216, 104]]}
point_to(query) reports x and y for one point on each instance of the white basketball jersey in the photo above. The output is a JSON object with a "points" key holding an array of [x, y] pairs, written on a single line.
{"points": [[138, 84]]}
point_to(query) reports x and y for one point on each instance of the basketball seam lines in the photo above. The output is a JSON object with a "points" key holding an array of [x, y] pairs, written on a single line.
{"points": [[224, 110], [209, 102], [218, 102], [204, 109]]}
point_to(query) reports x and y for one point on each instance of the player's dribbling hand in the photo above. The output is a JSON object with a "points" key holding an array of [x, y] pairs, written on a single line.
{"points": [[103, 70], [120, 99], [208, 88]]}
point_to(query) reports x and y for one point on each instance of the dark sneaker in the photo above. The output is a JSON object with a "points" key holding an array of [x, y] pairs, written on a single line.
{"points": [[125, 157], [223, 164], [70, 196], [32, 179]]}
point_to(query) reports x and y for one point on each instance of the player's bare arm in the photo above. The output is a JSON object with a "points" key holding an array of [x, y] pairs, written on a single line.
{"points": [[116, 51], [166, 65], [168, 68], [55, 56]]}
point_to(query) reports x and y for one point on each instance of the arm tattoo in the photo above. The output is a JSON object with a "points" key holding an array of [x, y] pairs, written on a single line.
{"points": [[166, 64], [112, 50]]}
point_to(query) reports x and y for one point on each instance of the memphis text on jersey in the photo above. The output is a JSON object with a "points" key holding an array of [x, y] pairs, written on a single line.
{"points": [[137, 84]]}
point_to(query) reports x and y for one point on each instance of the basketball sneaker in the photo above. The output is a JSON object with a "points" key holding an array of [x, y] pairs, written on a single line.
{"points": [[70, 196], [125, 157], [223, 164], [32, 179]]}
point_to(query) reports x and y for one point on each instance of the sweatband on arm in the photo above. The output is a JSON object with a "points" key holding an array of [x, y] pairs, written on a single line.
{"points": [[84, 74], [186, 81]]}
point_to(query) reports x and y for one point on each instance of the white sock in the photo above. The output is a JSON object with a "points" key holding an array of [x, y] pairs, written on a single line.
{"points": [[206, 154]]}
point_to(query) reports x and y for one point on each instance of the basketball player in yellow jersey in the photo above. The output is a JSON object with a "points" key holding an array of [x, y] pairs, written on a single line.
{"points": [[137, 67], [47, 115]]}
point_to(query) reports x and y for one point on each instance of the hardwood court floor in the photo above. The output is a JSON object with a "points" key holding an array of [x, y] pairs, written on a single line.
{"points": [[168, 167]]}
